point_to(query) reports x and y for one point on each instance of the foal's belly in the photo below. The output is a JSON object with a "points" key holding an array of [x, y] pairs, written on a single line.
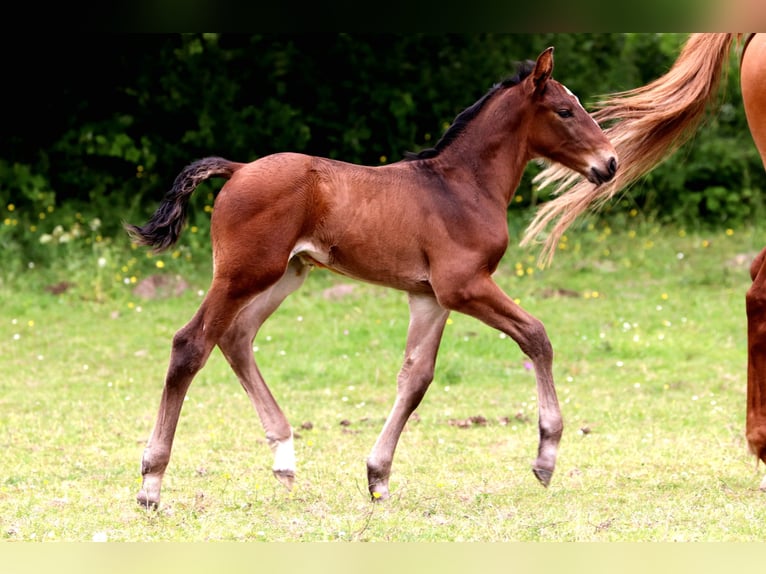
{"points": [[404, 271]]}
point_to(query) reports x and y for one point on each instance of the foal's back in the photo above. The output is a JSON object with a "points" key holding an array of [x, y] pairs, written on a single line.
{"points": [[382, 224]]}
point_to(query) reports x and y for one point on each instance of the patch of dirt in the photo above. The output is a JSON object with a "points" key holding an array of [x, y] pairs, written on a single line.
{"points": [[476, 420], [339, 292], [550, 292], [160, 287], [59, 288], [741, 261], [482, 421]]}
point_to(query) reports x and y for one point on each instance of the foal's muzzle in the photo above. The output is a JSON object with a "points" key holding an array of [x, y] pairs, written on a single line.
{"points": [[599, 176]]}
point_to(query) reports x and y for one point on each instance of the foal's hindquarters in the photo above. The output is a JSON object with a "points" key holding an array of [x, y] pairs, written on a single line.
{"points": [[190, 350]]}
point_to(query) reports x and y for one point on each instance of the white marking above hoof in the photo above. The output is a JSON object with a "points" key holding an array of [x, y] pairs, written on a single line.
{"points": [[284, 460]]}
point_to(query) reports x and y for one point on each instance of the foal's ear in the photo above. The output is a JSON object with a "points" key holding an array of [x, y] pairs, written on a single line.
{"points": [[543, 69]]}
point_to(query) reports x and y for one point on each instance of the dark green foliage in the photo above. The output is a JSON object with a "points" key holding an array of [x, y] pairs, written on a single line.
{"points": [[105, 122]]}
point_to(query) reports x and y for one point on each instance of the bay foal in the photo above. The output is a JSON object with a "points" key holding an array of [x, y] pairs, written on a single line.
{"points": [[433, 225]]}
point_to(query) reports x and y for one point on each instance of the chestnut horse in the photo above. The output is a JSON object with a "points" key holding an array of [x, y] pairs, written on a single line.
{"points": [[432, 225], [648, 124]]}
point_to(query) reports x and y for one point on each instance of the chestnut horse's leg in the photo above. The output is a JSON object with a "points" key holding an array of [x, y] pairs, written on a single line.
{"points": [[236, 345], [755, 299], [753, 82], [481, 298], [427, 320]]}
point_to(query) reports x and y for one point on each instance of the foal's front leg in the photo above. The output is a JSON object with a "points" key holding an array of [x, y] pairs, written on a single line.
{"points": [[481, 298], [427, 320]]}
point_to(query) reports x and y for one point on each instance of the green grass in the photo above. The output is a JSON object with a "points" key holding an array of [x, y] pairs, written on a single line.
{"points": [[649, 332]]}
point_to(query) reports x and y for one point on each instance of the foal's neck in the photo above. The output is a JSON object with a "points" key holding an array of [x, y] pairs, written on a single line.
{"points": [[494, 147]]}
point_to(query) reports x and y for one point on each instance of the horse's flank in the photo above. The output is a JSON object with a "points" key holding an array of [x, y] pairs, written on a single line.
{"points": [[753, 82]]}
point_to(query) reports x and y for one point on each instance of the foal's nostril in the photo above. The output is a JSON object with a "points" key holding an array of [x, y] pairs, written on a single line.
{"points": [[612, 166], [599, 175]]}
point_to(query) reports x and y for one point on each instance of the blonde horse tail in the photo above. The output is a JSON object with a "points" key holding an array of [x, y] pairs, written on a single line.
{"points": [[645, 125]]}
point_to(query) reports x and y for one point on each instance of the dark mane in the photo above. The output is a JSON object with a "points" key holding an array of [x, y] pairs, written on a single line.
{"points": [[464, 118]]}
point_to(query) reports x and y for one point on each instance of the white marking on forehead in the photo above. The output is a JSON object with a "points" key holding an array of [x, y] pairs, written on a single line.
{"points": [[568, 91]]}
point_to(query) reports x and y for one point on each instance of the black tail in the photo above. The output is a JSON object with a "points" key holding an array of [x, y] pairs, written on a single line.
{"points": [[164, 227]]}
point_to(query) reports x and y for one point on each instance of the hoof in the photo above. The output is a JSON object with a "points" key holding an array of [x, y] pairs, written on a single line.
{"points": [[378, 496], [146, 501], [378, 492], [543, 475], [286, 477], [763, 485]]}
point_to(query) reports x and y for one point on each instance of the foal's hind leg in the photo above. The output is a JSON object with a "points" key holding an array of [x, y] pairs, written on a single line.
{"points": [[427, 320], [236, 345], [192, 345]]}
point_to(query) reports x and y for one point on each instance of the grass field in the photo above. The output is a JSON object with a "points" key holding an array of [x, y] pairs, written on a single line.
{"points": [[649, 331]]}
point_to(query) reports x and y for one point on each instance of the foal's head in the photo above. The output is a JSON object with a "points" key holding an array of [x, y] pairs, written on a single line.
{"points": [[562, 131]]}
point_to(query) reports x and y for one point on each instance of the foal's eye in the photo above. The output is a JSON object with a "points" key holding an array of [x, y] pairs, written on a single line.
{"points": [[565, 113]]}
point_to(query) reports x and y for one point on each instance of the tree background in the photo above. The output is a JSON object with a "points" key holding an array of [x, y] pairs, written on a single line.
{"points": [[98, 126]]}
